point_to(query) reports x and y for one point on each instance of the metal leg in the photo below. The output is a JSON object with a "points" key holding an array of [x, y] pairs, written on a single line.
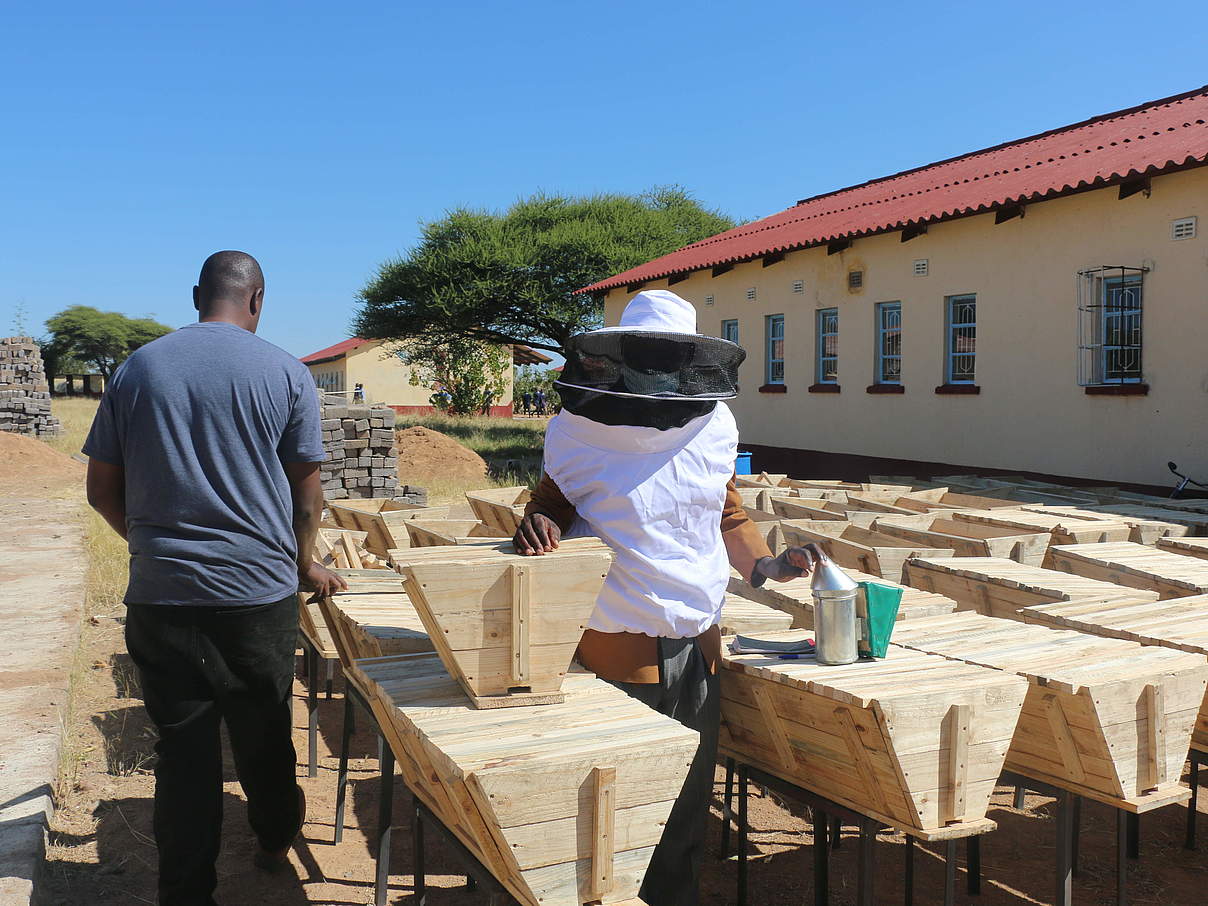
{"points": [[1075, 834], [1065, 879], [727, 812], [909, 873], [312, 707], [1134, 835], [1122, 857], [949, 872], [742, 835], [417, 839], [1017, 801], [973, 865], [821, 859], [866, 872], [331, 668], [342, 775], [385, 816], [1189, 842]]}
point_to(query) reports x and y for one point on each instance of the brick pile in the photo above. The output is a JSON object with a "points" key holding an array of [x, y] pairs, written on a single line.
{"points": [[24, 393], [362, 459]]}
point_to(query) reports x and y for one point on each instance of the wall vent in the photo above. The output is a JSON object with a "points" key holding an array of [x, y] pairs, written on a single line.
{"points": [[798, 286], [920, 267], [708, 300], [855, 279], [1183, 228], [751, 294]]}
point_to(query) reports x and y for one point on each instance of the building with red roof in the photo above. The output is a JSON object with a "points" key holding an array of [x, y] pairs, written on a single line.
{"points": [[1038, 306]]}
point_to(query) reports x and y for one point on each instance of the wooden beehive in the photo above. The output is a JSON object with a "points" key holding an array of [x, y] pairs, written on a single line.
{"points": [[914, 740], [867, 489], [500, 508], [1180, 623], [1063, 529], [742, 616], [967, 539], [382, 520], [762, 480], [436, 532], [1144, 531], [998, 588], [870, 552], [1104, 718], [1189, 547], [507, 627], [943, 499], [1196, 522], [371, 624], [794, 598], [562, 803], [1133, 566], [769, 526]]}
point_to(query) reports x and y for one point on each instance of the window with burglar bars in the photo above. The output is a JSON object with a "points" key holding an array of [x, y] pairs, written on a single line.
{"points": [[826, 366], [889, 343], [729, 330], [775, 350], [962, 340], [1109, 325]]}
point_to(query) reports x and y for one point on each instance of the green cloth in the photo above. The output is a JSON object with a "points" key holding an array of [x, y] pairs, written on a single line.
{"points": [[882, 603]]}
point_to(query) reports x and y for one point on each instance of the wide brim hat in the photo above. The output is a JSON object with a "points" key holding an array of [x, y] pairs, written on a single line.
{"points": [[653, 353]]}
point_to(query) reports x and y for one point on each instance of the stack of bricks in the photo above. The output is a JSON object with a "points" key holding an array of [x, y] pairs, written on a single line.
{"points": [[362, 460], [24, 393]]}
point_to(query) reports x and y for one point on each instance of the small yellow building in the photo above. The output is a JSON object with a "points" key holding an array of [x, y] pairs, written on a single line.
{"points": [[384, 378], [1040, 306]]}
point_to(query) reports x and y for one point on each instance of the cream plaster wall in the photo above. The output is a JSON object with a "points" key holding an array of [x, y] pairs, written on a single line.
{"points": [[1031, 414]]}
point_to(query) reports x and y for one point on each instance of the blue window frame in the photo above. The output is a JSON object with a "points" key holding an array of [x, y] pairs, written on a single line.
{"points": [[826, 349], [774, 370], [729, 330], [889, 343], [961, 340]]}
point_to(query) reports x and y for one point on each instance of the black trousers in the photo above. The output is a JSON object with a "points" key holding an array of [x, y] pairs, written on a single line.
{"points": [[199, 666], [691, 694]]}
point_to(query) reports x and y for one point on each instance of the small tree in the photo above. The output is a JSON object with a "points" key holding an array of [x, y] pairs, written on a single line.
{"points": [[511, 277], [97, 339], [531, 378], [462, 372]]}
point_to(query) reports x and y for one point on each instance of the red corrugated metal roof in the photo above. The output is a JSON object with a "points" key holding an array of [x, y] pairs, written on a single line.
{"points": [[334, 352], [1152, 138]]}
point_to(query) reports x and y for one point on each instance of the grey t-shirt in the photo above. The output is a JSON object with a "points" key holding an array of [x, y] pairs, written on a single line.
{"points": [[202, 420]]}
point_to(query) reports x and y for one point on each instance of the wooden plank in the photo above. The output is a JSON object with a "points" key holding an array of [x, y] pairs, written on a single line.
{"points": [[1134, 565], [775, 731], [521, 604], [1067, 748], [1155, 754], [855, 748], [958, 719], [604, 783]]}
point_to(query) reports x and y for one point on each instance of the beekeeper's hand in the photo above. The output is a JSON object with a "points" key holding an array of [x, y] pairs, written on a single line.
{"points": [[793, 563], [537, 535]]}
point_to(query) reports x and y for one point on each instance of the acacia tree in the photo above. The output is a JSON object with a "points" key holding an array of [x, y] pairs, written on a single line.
{"points": [[98, 339], [510, 278], [463, 373]]}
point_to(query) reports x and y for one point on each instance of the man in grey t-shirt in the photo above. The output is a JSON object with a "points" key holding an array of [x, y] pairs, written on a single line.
{"points": [[205, 456]]}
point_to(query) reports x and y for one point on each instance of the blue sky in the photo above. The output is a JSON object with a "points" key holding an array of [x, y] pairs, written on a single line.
{"points": [[136, 138]]}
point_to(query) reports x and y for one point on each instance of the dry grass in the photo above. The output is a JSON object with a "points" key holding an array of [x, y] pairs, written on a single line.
{"points": [[76, 413]]}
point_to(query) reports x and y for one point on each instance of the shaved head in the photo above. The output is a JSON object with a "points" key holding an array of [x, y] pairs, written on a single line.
{"points": [[228, 277], [230, 288]]}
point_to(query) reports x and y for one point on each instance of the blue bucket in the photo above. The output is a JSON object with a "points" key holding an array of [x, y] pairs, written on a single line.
{"points": [[742, 464]]}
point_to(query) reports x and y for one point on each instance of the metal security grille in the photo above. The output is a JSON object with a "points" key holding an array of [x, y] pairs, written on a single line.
{"points": [[1109, 325], [889, 342], [826, 368], [962, 339], [775, 349]]}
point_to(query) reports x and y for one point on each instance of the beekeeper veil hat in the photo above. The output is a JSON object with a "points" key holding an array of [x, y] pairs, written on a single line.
{"points": [[654, 353]]}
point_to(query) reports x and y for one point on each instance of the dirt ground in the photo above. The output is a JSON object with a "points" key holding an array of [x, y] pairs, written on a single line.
{"points": [[423, 452], [29, 468], [102, 850]]}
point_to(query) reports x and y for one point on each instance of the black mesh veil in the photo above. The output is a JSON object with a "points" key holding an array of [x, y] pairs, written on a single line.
{"points": [[652, 365]]}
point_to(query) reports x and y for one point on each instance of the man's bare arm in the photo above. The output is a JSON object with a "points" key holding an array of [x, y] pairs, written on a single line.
{"points": [[307, 493], [106, 486]]}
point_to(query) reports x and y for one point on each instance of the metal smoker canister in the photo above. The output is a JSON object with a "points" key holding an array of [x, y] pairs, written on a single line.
{"points": [[834, 594]]}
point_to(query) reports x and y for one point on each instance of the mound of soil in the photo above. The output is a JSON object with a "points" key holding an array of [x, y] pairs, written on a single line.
{"points": [[424, 453], [26, 462]]}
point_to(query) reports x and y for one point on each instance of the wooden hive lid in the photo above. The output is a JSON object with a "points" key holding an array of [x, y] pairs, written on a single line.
{"points": [[1064, 660], [1142, 562], [1034, 579], [1176, 623], [505, 625]]}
